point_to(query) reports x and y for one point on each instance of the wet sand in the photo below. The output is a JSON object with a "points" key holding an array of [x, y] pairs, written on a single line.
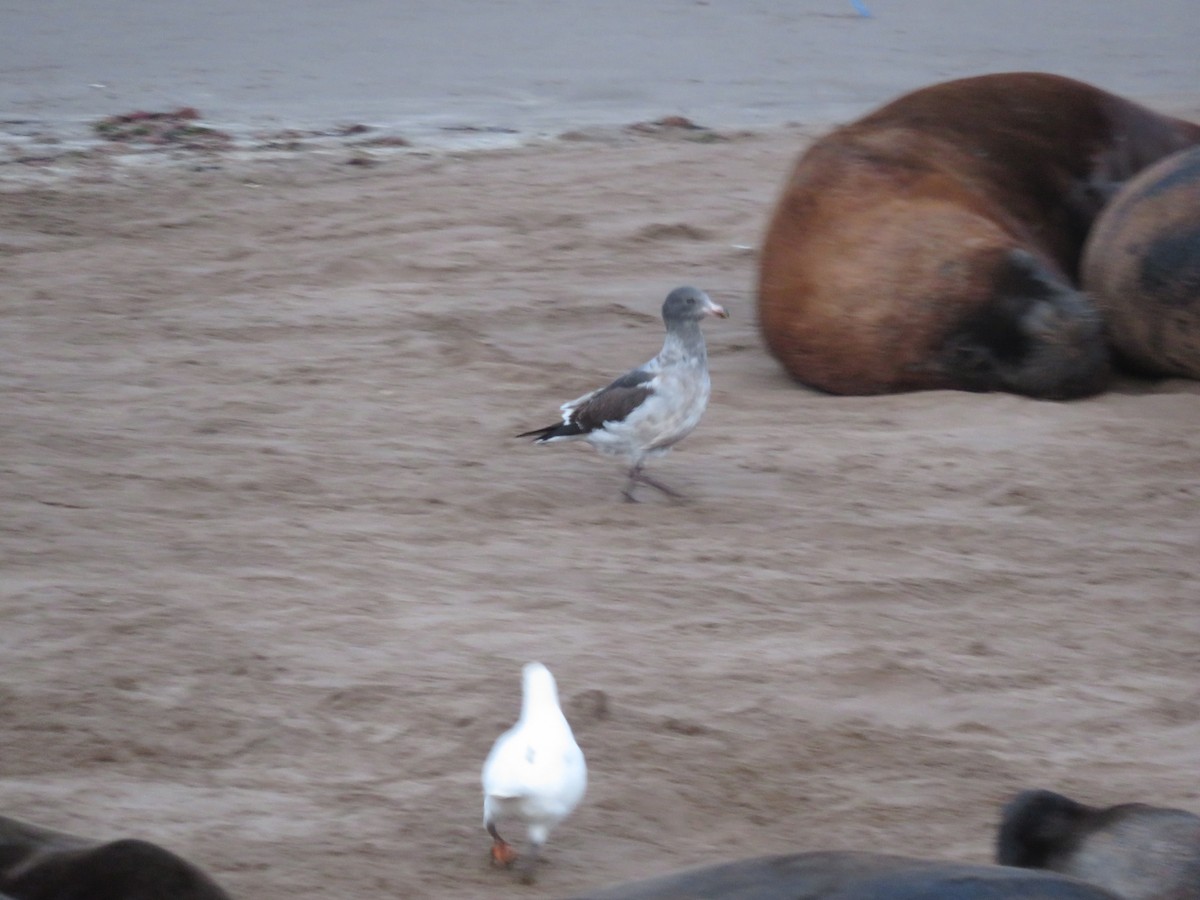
{"points": [[272, 559]]}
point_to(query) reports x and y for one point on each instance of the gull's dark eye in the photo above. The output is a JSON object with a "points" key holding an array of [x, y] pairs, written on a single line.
{"points": [[691, 301]]}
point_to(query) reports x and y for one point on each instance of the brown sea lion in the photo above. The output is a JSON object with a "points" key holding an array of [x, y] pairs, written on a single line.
{"points": [[40, 864], [1141, 266], [852, 876], [1140, 852], [935, 242]]}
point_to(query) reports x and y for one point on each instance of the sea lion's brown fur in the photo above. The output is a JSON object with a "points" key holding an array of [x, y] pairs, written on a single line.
{"points": [[935, 242], [1141, 267], [40, 864]]}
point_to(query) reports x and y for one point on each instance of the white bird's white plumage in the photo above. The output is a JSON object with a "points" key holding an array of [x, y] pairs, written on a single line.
{"points": [[649, 409], [535, 774]]}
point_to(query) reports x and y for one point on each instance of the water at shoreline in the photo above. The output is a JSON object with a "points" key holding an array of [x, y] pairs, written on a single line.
{"points": [[466, 73]]}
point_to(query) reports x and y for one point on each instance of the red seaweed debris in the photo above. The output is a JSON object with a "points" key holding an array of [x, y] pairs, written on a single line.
{"points": [[177, 128], [676, 126]]}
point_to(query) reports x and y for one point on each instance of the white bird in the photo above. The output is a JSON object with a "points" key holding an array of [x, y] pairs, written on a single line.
{"points": [[651, 408], [536, 774]]}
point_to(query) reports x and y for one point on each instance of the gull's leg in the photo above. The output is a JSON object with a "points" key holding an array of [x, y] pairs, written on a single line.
{"points": [[654, 483], [635, 473], [503, 853], [538, 832], [527, 868]]}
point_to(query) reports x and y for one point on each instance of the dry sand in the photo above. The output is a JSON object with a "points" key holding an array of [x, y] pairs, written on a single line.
{"points": [[272, 559]]}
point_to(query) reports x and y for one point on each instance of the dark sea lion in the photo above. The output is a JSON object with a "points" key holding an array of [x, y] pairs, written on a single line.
{"points": [[852, 876], [1137, 851], [1141, 267], [40, 864], [935, 242]]}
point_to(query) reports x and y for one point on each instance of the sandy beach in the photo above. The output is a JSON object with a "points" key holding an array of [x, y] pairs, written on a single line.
{"points": [[273, 559]]}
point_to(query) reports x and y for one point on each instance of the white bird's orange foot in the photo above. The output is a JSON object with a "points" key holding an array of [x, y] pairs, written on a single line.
{"points": [[503, 854]]}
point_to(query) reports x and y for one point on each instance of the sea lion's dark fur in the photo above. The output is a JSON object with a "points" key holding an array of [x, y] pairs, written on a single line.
{"points": [[1141, 266], [851, 876], [1139, 851], [40, 864]]}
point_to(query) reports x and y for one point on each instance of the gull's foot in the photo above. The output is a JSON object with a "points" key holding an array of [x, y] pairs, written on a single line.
{"points": [[503, 854], [527, 867], [654, 483]]}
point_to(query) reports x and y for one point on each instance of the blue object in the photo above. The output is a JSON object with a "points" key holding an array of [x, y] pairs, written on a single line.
{"points": [[861, 9]]}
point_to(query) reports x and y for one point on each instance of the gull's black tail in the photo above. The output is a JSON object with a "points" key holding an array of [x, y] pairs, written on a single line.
{"points": [[550, 432]]}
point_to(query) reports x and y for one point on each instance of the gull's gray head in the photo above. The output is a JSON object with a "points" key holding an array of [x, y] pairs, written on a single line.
{"points": [[689, 304]]}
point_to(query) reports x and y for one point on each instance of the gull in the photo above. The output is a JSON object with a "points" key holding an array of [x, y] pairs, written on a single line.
{"points": [[535, 773], [649, 409]]}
